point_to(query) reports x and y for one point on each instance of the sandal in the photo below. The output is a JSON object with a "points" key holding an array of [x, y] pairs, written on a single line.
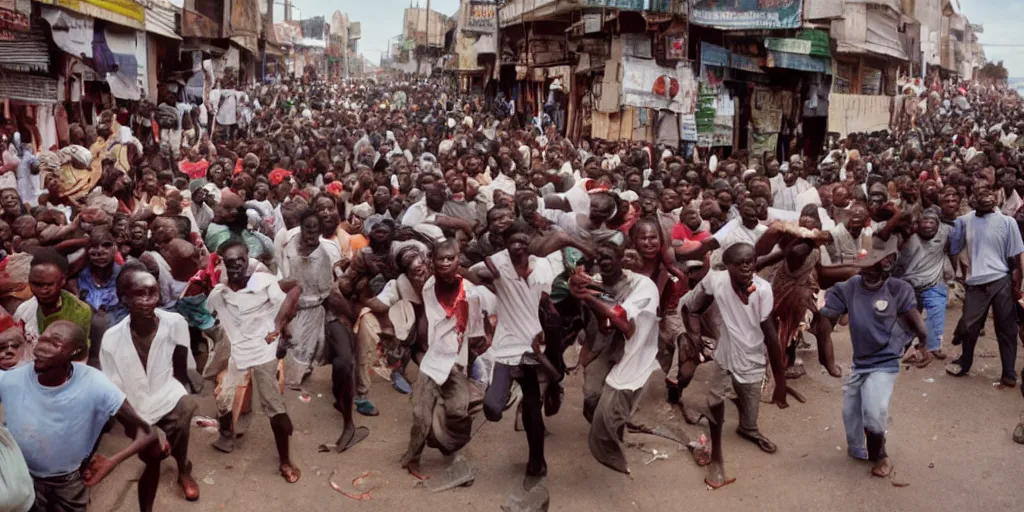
{"points": [[761, 441], [290, 473], [955, 370], [1018, 433]]}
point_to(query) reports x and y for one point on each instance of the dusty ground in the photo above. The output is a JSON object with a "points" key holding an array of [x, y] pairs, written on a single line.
{"points": [[949, 439]]}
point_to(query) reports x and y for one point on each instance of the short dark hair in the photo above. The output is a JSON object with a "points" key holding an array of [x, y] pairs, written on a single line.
{"points": [[50, 256], [234, 241], [307, 213], [129, 269], [729, 255]]}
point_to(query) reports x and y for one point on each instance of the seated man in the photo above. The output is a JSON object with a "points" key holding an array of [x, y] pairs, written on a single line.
{"points": [[146, 357], [56, 411], [50, 302]]}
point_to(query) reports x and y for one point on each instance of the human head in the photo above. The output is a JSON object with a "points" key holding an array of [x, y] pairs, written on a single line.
{"points": [[646, 238], [446, 261], [517, 240], [140, 293], [235, 255], [102, 247], [12, 346], [609, 260], [47, 275], [10, 202], [602, 207], [61, 343], [740, 261]]}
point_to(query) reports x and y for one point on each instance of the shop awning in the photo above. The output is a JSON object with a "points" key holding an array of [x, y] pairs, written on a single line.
{"points": [[160, 18]]}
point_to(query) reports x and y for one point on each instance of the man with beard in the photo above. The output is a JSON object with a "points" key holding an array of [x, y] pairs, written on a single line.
{"points": [[993, 281], [255, 310], [744, 302], [147, 358], [883, 317], [441, 394], [622, 354], [522, 282]]}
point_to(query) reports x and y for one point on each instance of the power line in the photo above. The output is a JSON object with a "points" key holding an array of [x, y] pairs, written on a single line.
{"points": [[1003, 45]]}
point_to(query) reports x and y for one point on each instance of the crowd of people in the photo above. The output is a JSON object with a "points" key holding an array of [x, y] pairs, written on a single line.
{"points": [[460, 250]]}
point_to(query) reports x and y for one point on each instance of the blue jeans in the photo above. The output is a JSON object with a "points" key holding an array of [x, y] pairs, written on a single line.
{"points": [[866, 398], [933, 302]]}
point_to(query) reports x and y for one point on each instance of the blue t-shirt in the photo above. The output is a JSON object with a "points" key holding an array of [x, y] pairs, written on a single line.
{"points": [[57, 427], [877, 333], [991, 240]]}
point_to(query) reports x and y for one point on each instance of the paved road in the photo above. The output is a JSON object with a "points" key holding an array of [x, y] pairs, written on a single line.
{"points": [[949, 439]]}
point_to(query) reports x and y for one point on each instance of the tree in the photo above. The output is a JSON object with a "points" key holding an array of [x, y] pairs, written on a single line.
{"points": [[994, 71]]}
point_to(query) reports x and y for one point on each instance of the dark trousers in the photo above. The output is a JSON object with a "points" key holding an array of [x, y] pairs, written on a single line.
{"points": [[533, 419], [341, 342], [999, 296]]}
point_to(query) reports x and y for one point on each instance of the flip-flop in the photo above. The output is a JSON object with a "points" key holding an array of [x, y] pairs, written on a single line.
{"points": [[458, 474], [290, 476], [762, 442], [719, 485], [955, 370], [1018, 433], [360, 435]]}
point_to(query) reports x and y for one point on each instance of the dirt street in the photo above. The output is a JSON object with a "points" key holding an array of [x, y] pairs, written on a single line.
{"points": [[949, 439]]}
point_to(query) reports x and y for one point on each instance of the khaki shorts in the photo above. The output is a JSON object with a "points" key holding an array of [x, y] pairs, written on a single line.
{"points": [[262, 378], [746, 396]]}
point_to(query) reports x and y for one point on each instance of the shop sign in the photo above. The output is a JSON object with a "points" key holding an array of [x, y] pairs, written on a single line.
{"points": [[645, 84], [127, 8], [631, 5], [713, 55], [675, 46], [744, 63], [592, 23], [799, 62], [788, 45], [481, 16], [763, 14]]}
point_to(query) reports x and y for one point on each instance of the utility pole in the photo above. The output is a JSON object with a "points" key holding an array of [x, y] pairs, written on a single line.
{"points": [[428, 39]]}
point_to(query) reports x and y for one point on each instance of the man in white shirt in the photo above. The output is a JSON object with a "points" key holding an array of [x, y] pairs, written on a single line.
{"points": [[747, 229], [146, 356], [454, 321], [521, 281], [224, 102], [255, 309], [623, 354], [744, 302]]}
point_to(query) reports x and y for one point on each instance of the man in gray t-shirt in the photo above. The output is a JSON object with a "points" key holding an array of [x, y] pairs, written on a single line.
{"points": [[920, 263]]}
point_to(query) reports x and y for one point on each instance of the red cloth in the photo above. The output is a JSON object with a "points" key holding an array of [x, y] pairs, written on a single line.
{"points": [[681, 232], [278, 175], [195, 170], [335, 188], [238, 167], [455, 305]]}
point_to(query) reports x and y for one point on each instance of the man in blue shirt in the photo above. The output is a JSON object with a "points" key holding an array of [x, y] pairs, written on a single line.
{"points": [[883, 318], [996, 251], [56, 411]]}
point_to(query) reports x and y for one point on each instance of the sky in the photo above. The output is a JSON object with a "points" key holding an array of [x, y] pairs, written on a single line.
{"points": [[1004, 23], [380, 20]]}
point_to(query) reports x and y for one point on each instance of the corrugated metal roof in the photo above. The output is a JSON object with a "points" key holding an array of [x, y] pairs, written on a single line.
{"points": [[29, 51], [19, 86]]}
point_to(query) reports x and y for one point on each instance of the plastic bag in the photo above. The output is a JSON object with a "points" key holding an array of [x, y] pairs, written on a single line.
{"points": [[17, 493]]}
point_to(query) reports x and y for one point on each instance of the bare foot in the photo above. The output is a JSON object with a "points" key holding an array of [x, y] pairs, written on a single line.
{"points": [[834, 370], [716, 478], [882, 468], [290, 473], [189, 485]]}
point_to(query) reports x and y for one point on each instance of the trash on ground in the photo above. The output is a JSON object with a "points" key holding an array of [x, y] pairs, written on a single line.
{"points": [[304, 397]]}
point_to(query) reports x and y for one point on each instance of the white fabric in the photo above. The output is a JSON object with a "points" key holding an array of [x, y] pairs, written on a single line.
{"points": [[248, 317], [518, 303], [227, 110], [152, 390], [397, 290], [737, 234], [444, 350], [71, 32], [639, 358], [740, 349], [27, 314], [417, 214]]}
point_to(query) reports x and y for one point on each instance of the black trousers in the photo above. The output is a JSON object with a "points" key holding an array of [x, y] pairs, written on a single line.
{"points": [[341, 343], [999, 296], [533, 419]]}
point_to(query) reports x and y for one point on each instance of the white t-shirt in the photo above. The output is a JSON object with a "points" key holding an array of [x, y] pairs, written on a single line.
{"points": [[518, 304], [248, 317], [639, 358], [399, 289], [152, 390], [444, 350], [740, 349], [734, 232]]}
